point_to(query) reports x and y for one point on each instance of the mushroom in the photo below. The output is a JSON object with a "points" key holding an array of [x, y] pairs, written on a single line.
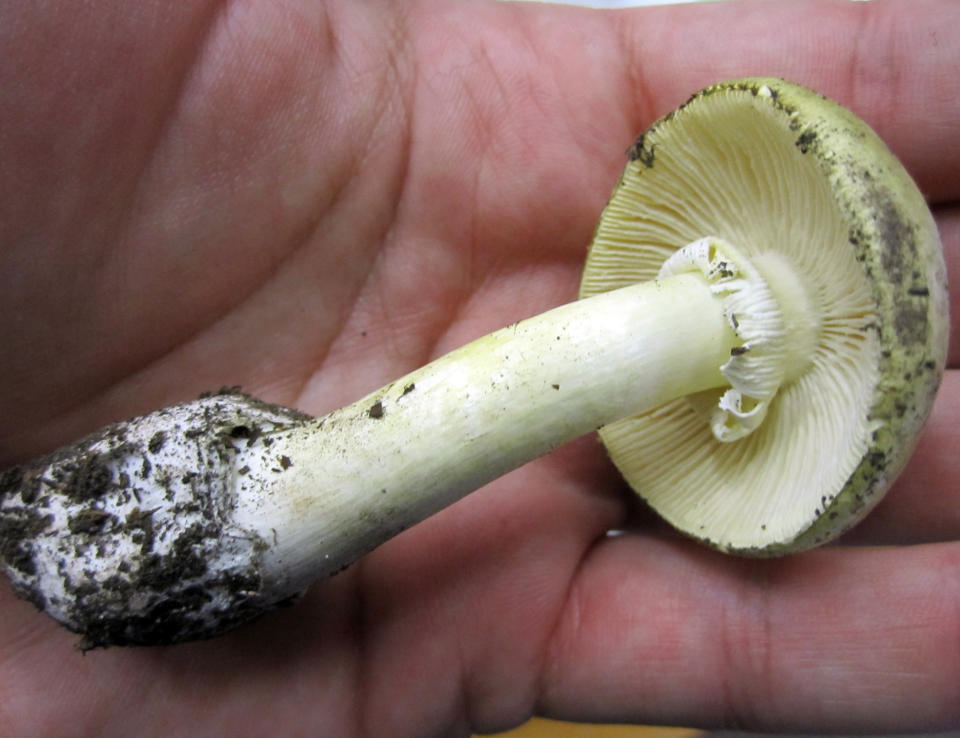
{"points": [[760, 335], [811, 431]]}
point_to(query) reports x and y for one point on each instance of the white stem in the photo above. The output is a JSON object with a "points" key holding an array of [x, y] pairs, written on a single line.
{"points": [[185, 522], [356, 477]]}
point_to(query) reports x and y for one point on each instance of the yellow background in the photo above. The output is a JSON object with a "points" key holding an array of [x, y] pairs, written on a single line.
{"points": [[539, 728]]}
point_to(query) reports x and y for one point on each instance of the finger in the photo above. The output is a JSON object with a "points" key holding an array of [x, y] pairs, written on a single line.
{"points": [[892, 63], [199, 166], [834, 640]]}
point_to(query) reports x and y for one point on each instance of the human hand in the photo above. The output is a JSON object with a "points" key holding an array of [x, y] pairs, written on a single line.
{"points": [[308, 199]]}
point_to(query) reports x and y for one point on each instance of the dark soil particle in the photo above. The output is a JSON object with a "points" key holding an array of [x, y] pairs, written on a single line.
{"points": [[877, 459], [155, 445], [10, 481], [90, 480], [250, 433], [642, 152], [17, 528], [805, 141], [159, 623], [181, 564], [140, 524], [172, 616], [376, 410], [90, 521]]}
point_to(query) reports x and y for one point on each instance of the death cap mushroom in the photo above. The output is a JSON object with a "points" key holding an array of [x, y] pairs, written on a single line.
{"points": [[841, 233]]}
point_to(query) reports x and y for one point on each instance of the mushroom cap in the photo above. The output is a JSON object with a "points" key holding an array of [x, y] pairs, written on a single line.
{"points": [[790, 178]]}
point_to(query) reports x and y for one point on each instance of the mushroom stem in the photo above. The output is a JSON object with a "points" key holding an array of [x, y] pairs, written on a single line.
{"points": [[185, 522], [358, 476]]}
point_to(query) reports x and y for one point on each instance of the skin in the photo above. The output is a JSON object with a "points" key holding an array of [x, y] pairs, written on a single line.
{"points": [[310, 198]]}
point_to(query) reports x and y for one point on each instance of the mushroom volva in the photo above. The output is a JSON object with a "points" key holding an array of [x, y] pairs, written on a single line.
{"points": [[761, 331]]}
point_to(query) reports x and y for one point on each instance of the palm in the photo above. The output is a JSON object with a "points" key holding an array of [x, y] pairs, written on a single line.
{"points": [[308, 201]]}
